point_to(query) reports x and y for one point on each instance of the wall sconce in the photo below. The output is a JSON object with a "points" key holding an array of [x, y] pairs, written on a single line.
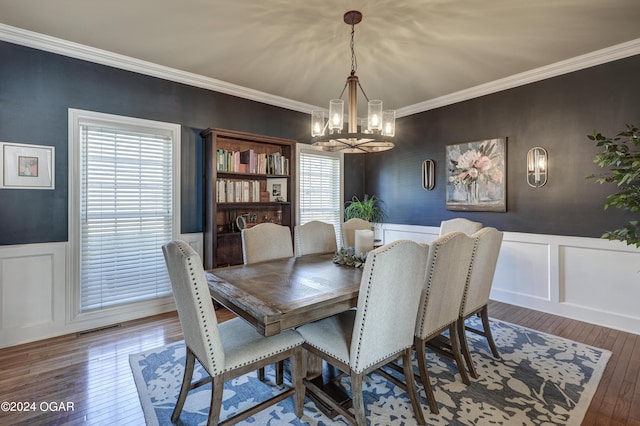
{"points": [[428, 174], [537, 164]]}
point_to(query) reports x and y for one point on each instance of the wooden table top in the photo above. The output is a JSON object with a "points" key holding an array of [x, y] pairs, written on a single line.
{"points": [[286, 293]]}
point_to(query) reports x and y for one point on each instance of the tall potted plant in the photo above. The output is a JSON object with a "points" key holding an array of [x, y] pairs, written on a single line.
{"points": [[621, 156], [370, 208]]}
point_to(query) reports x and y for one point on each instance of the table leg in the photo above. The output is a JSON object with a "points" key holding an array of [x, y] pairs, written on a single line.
{"points": [[322, 375]]}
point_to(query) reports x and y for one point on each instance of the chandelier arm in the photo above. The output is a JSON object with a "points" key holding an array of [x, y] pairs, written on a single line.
{"points": [[363, 92], [346, 83], [326, 126]]}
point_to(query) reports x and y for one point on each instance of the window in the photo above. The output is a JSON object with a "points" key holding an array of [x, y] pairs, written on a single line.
{"points": [[320, 187], [124, 207]]}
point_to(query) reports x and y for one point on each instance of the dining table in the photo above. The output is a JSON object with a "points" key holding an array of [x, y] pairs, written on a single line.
{"points": [[280, 294], [286, 293]]}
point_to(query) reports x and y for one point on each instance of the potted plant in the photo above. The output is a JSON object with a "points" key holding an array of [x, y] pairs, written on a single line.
{"points": [[370, 208], [621, 156]]}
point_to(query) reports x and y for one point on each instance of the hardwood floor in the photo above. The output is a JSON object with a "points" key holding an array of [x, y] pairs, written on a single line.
{"points": [[91, 371]]}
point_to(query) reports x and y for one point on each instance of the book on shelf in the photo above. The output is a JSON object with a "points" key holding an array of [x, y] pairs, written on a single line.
{"points": [[237, 191], [249, 162]]}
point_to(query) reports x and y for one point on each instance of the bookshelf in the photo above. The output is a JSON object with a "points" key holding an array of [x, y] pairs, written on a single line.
{"points": [[245, 175]]}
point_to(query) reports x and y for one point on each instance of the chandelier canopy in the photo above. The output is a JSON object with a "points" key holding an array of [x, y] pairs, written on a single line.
{"points": [[375, 135]]}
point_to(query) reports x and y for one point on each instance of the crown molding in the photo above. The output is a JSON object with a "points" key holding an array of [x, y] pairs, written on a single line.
{"points": [[103, 57], [78, 51], [609, 54]]}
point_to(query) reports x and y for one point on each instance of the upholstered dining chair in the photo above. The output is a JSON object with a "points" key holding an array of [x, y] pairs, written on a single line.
{"points": [[459, 224], [227, 350], [349, 230], [380, 329], [315, 237], [266, 241], [448, 266], [477, 290]]}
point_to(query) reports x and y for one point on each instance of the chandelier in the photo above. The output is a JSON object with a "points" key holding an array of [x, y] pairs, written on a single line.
{"points": [[375, 135]]}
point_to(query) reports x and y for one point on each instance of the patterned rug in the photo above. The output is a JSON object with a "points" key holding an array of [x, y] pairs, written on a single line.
{"points": [[540, 380]]}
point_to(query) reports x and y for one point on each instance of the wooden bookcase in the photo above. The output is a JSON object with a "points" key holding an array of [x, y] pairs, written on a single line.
{"points": [[241, 171]]}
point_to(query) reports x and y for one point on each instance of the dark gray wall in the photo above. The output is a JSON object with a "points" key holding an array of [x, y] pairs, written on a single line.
{"points": [[556, 114], [36, 90]]}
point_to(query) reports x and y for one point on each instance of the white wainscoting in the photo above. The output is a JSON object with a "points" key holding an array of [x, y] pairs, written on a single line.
{"points": [[35, 298], [588, 279]]}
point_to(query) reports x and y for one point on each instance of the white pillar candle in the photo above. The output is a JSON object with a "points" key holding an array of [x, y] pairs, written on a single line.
{"points": [[364, 241]]}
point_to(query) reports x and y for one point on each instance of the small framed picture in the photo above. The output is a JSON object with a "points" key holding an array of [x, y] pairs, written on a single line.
{"points": [[27, 166], [277, 189]]}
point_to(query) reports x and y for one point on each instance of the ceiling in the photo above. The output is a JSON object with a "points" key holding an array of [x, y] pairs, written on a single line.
{"points": [[408, 51]]}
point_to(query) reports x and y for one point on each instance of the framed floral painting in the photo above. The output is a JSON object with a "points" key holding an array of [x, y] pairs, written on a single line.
{"points": [[477, 176]]}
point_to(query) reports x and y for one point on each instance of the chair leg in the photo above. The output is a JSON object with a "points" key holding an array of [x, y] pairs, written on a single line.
{"points": [[420, 346], [455, 348], [279, 367], [279, 372], [411, 386], [464, 347], [297, 381], [484, 314], [358, 399], [186, 384], [217, 389]]}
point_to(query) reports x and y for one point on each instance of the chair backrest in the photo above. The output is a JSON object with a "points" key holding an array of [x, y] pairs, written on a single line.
{"points": [[392, 281], [483, 267], [446, 278], [315, 237], [266, 241], [459, 224], [349, 230], [195, 307]]}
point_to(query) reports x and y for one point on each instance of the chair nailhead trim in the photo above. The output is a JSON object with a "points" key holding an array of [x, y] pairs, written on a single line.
{"points": [[203, 316], [471, 265], [365, 309]]}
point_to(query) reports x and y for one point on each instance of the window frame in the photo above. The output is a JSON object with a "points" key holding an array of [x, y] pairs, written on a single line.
{"points": [[302, 148], [130, 310]]}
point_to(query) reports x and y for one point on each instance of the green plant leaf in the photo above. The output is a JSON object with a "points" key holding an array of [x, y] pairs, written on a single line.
{"points": [[370, 208], [622, 167]]}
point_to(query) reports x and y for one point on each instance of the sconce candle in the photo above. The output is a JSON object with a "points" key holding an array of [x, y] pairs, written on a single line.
{"points": [[537, 159], [428, 174]]}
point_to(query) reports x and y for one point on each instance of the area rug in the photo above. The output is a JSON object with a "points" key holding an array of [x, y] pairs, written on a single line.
{"points": [[540, 380]]}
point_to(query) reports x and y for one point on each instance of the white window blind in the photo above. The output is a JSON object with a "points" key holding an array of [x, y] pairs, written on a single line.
{"points": [[125, 215], [320, 189]]}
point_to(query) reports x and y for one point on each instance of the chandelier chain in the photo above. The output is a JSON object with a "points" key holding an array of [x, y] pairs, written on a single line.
{"points": [[354, 61]]}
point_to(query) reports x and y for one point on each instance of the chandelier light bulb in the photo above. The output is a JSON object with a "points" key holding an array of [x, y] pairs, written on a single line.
{"points": [[375, 112], [336, 114], [317, 123], [389, 122]]}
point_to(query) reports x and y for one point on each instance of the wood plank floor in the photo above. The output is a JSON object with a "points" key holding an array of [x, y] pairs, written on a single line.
{"points": [[91, 371]]}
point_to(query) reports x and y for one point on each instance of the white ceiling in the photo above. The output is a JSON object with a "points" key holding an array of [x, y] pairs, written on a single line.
{"points": [[408, 51]]}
